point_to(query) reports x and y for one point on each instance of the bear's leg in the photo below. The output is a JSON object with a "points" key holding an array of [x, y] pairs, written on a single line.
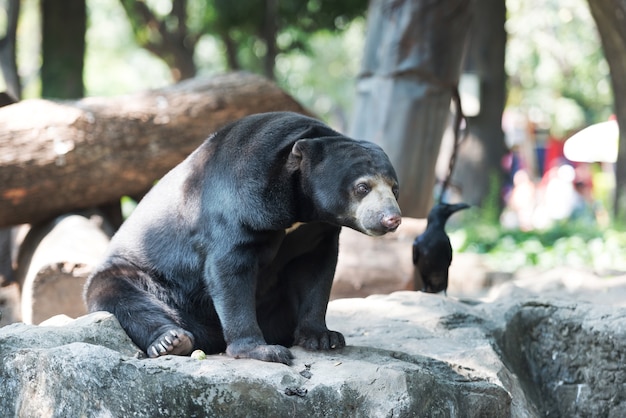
{"points": [[311, 277], [276, 313], [233, 294], [149, 322]]}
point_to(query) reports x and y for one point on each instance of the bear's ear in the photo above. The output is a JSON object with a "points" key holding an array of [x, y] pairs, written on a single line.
{"points": [[298, 152], [297, 149]]}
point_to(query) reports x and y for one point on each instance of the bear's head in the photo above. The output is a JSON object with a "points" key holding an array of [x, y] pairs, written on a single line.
{"points": [[349, 183]]}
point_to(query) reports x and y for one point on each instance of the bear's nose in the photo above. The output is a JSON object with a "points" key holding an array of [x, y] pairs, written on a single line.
{"points": [[391, 222]]}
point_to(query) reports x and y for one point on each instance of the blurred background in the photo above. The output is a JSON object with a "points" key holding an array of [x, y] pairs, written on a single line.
{"points": [[532, 76]]}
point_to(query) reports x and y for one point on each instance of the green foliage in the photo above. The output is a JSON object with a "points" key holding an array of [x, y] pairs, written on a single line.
{"points": [[567, 243], [556, 64], [128, 206], [110, 46], [323, 80], [572, 243], [492, 204], [28, 48], [247, 29]]}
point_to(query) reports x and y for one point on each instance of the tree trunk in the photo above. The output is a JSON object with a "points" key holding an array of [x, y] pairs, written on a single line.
{"points": [[63, 48], [6, 262], [412, 61], [6, 259], [270, 31], [167, 37], [56, 157], [610, 17], [480, 155], [8, 64]]}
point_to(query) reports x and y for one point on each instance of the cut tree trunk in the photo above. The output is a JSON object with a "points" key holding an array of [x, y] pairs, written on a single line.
{"points": [[412, 61], [480, 155], [376, 265], [57, 157], [54, 262]]}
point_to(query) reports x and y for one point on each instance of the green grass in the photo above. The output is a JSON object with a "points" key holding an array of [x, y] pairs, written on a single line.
{"points": [[571, 244]]}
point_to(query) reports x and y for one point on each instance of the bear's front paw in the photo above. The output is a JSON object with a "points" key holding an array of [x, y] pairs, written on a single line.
{"points": [[271, 353], [320, 340]]}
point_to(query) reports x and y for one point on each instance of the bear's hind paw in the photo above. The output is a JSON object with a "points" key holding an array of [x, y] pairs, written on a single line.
{"points": [[175, 341]]}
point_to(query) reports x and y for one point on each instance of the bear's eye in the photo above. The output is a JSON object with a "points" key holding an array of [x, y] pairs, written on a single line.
{"points": [[362, 189], [396, 191]]}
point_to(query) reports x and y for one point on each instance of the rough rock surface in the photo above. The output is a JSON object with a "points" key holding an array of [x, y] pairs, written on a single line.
{"points": [[89, 367], [518, 353], [570, 355]]}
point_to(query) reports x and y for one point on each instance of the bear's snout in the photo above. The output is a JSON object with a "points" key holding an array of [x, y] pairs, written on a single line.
{"points": [[378, 212], [391, 222]]}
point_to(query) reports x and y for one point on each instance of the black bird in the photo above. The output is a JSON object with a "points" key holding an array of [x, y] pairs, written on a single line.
{"points": [[432, 252]]}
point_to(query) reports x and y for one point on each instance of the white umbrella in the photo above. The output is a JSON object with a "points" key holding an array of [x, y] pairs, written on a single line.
{"points": [[595, 143]]}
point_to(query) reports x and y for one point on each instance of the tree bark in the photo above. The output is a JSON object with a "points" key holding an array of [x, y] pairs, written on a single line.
{"points": [[480, 155], [63, 48], [56, 157], [270, 31], [8, 62], [6, 259], [610, 17], [412, 61]]}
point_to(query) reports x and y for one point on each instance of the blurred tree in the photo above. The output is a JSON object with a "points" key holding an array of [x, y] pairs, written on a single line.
{"points": [[557, 71], [166, 34], [12, 81], [480, 154], [252, 32], [412, 63], [63, 48], [610, 17], [8, 64]]}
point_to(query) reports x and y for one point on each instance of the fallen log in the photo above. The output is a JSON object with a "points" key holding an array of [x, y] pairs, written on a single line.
{"points": [[57, 157], [54, 262]]}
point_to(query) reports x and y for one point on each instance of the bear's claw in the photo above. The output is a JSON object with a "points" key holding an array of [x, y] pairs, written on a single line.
{"points": [[175, 341], [271, 353], [325, 340]]}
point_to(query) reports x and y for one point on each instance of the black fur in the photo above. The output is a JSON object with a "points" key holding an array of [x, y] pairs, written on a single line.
{"points": [[205, 261]]}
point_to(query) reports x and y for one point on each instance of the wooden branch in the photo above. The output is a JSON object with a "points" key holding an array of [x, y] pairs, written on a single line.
{"points": [[57, 157]]}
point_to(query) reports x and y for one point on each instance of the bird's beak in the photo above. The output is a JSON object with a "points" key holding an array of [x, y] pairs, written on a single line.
{"points": [[459, 206]]}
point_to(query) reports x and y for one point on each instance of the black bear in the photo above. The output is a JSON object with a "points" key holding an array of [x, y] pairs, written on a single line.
{"points": [[235, 249]]}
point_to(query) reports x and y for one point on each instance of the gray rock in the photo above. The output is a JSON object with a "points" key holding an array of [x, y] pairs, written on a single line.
{"points": [[570, 356], [409, 354], [88, 367]]}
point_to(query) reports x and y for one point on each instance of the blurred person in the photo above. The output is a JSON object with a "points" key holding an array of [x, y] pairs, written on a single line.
{"points": [[511, 163], [559, 195], [521, 202], [587, 208]]}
